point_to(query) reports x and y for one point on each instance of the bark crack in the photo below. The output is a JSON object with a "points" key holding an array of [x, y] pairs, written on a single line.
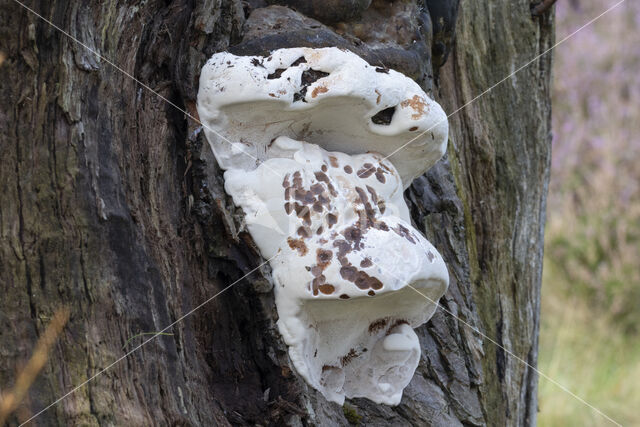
{"points": [[21, 231]]}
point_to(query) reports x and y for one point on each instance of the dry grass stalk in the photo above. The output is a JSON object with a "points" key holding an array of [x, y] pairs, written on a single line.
{"points": [[9, 401]]}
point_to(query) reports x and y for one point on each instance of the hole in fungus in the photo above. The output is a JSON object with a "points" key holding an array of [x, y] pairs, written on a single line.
{"points": [[299, 61], [308, 77], [276, 74], [384, 117]]}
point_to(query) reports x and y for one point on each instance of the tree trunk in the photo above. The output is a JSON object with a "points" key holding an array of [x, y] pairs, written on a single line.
{"points": [[111, 204]]}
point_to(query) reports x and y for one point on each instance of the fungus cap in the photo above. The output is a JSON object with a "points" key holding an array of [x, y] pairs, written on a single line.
{"points": [[348, 268], [330, 97]]}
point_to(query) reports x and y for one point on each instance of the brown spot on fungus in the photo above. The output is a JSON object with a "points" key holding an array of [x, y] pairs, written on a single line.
{"points": [[344, 296], [327, 289], [317, 188], [418, 104], [304, 196], [297, 179], [334, 161], [326, 368], [301, 211], [317, 282], [298, 245], [304, 232], [332, 190], [256, 63], [343, 248], [376, 284], [324, 256], [319, 89], [372, 192], [324, 200], [348, 169], [347, 358], [317, 270], [352, 234], [307, 217], [397, 323], [378, 325], [331, 220], [403, 231], [320, 176], [366, 170], [363, 280], [349, 273], [362, 195], [366, 263]]}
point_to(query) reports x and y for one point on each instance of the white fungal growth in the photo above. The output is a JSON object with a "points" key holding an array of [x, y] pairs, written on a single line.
{"points": [[328, 97], [332, 207]]}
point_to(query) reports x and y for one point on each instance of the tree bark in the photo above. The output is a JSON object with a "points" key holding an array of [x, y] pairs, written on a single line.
{"points": [[111, 203]]}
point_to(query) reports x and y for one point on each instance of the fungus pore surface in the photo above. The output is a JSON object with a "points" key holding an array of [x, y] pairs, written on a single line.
{"points": [[305, 135]]}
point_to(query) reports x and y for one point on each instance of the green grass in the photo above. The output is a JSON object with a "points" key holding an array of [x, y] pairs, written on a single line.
{"points": [[590, 321], [582, 348]]}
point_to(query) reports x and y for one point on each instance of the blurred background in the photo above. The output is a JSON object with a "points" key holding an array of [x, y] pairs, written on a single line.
{"points": [[590, 331]]}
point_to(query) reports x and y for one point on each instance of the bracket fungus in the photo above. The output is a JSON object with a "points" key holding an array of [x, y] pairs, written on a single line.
{"points": [[302, 136]]}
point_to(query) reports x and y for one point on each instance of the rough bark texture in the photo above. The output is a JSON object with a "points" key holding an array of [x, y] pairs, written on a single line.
{"points": [[110, 203]]}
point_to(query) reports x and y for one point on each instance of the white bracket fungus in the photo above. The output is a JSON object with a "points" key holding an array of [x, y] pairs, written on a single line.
{"points": [[305, 134]]}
